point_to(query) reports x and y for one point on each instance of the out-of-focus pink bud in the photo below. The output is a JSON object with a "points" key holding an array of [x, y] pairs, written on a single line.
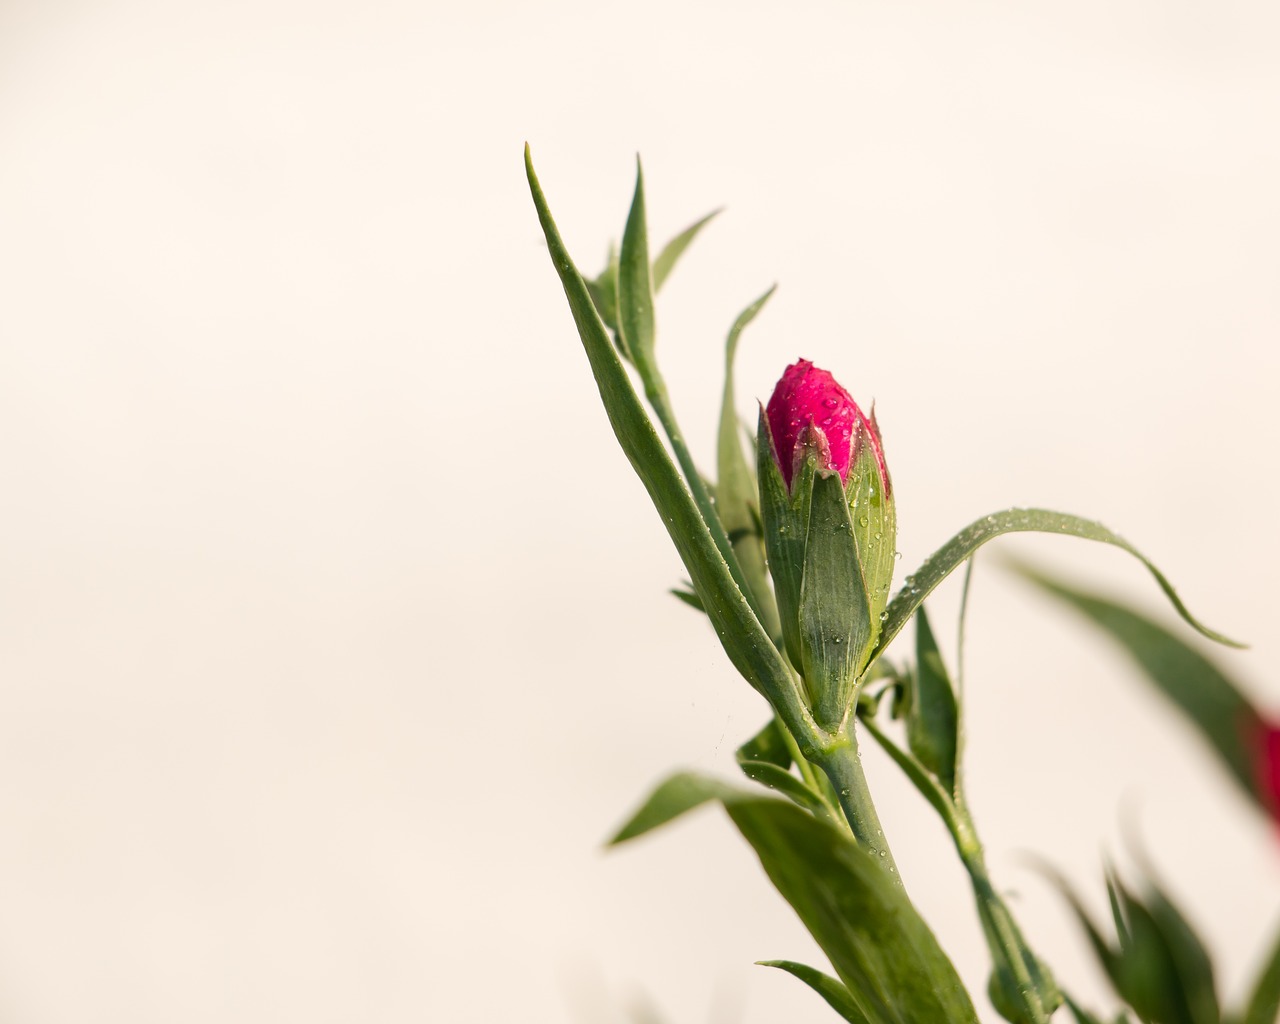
{"points": [[809, 410], [1266, 755]]}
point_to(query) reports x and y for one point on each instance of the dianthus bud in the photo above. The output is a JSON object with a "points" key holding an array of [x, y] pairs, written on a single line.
{"points": [[1266, 759], [829, 523]]}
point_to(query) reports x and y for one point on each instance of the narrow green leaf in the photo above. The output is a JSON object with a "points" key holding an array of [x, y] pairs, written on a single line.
{"points": [[1263, 1006], [947, 558], [1194, 968], [1211, 702], [932, 718], [882, 950], [766, 745], [635, 283], [1147, 975], [737, 496], [835, 622], [928, 786], [675, 248], [604, 293], [784, 782], [836, 995], [689, 598], [678, 795], [746, 643]]}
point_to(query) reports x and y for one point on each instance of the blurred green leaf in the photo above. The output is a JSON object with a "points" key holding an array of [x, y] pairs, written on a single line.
{"points": [[1263, 1006], [746, 643], [1159, 967], [766, 745], [674, 249], [836, 995], [1212, 703], [932, 717], [678, 795], [689, 598], [951, 555], [1195, 969]]}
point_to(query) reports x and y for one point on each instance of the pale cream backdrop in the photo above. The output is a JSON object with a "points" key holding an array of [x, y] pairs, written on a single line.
{"points": [[333, 633]]}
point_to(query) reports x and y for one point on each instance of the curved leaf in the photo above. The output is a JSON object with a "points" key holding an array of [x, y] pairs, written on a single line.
{"points": [[1264, 1003], [1211, 702], [674, 249], [947, 558], [882, 950], [836, 995]]}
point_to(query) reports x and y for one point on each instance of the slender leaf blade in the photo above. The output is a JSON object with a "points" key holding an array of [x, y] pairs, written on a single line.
{"points": [[882, 950], [951, 555], [676, 796], [674, 249], [766, 745], [932, 715], [636, 321], [781, 780], [836, 995], [1211, 702]]}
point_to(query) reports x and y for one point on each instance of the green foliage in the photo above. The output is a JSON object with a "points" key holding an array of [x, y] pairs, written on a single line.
{"points": [[891, 965], [952, 555], [836, 995], [1156, 963], [931, 711], [1263, 1005], [737, 495], [1212, 703]]}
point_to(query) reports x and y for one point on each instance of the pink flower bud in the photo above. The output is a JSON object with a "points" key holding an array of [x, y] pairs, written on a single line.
{"points": [[810, 410], [1266, 755]]}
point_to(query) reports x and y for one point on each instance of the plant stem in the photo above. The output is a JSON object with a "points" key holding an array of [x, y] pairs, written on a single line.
{"points": [[1009, 949], [842, 764]]}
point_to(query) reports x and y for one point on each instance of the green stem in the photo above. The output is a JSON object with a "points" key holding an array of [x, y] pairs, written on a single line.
{"points": [[655, 391], [842, 764], [1009, 950]]}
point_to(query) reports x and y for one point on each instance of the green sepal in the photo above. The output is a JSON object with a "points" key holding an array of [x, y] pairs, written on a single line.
{"points": [[835, 623], [875, 528], [932, 713], [836, 995], [785, 520]]}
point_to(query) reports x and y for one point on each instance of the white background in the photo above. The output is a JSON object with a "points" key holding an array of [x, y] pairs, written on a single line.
{"points": [[333, 633]]}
